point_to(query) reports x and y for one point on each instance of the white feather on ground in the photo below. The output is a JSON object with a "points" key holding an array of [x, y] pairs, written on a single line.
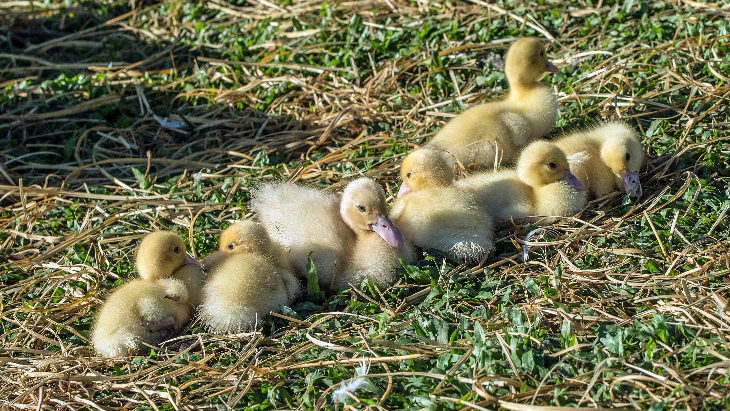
{"points": [[353, 384]]}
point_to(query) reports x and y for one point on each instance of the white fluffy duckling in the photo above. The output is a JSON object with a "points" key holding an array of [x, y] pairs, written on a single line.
{"points": [[606, 158], [541, 185], [432, 213], [491, 134], [154, 307], [248, 278], [349, 237]]}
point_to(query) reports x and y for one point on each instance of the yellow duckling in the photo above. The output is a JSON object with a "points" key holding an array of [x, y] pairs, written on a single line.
{"points": [[541, 185], [154, 307], [432, 213], [606, 158], [490, 134], [348, 237], [248, 278]]}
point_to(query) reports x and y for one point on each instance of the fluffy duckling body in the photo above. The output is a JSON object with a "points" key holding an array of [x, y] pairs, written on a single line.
{"points": [[542, 185], [491, 134], [605, 158], [154, 307], [349, 237], [432, 213], [248, 278]]}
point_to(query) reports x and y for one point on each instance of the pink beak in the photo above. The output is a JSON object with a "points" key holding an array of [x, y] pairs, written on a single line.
{"points": [[390, 233], [551, 68], [632, 185], [190, 260], [572, 181], [404, 189]]}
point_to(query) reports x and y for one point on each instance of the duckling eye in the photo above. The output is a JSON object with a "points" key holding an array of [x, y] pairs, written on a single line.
{"points": [[361, 208], [553, 166], [176, 250], [628, 156], [542, 54], [231, 246], [409, 175]]}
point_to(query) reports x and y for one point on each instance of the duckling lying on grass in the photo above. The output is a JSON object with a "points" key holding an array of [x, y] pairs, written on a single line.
{"points": [[541, 185], [432, 213], [154, 307], [606, 158], [491, 134], [248, 278], [349, 237]]}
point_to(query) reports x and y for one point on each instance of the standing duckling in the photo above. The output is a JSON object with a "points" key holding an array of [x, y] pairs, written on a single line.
{"points": [[154, 307], [432, 213], [349, 237], [541, 185], [606, 158], [248, 278], [490, 134]]}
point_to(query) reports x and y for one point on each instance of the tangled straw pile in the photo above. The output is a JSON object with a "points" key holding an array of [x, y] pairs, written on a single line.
{"points": [[120, 118]]}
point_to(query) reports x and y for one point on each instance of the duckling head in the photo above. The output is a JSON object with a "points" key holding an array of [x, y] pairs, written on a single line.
{"points": [[160, 254], [623, 154], [525, 62], [542, 163], [424, 168], [363, 209], [245, 237]]}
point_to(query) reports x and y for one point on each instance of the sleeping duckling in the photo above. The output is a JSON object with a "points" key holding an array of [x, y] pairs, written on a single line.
{"points": [[606, 158], [336, 231], [432, 213], [542, 185], [491, 133], [154, 307], [248, 278]]}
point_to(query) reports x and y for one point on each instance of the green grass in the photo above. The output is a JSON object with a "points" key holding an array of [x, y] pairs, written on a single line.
{"points": [[626, 308]]}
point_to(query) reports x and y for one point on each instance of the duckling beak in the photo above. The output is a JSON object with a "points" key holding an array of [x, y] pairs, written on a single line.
{"points": [[404, 189], [551, 68], [632, 184], [190, 260], [572, 181], [390, 233]]}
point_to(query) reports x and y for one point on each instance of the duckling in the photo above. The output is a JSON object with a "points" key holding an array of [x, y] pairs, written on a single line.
{"points": [[541, 185], [379, 244], [606, 158], [155, 306], [490, 134], [248, 278], [337, 231], [432, 213]]}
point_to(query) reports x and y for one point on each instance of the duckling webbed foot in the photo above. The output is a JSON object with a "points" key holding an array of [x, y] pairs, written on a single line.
{"points": [[165, 329]]}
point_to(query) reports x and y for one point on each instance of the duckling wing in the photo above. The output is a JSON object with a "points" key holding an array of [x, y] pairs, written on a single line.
{"points": [[305, 221]]}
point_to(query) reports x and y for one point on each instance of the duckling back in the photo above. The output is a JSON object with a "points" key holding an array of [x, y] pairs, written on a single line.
{"points": [[305, 221], [501, 195], [447, 219]]}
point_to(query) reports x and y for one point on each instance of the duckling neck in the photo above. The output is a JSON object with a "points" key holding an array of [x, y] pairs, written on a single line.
{"points": [[521, 88]]}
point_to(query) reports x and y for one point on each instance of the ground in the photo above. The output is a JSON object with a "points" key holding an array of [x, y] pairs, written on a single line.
{"points": [[118, 118]]}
